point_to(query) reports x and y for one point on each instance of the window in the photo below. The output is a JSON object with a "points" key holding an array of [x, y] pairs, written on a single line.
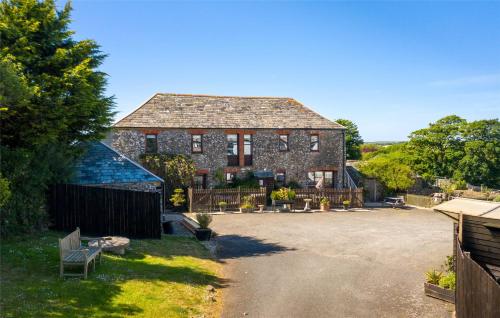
{"points": [[315, 176], [280, 178], [200, 181], [232, 150], [196, 143], [314, 143], [247, 149], [230, 177], [151, 143], [283, 143]]}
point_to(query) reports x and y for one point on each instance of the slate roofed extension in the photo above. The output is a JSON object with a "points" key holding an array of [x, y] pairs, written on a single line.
{"points": [[102, 164], [203, 111]]}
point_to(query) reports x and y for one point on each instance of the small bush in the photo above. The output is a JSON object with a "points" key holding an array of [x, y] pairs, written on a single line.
{"points": [[448, 281], [222, 204], [247, 202], [346, 203], [178, 198], [283, 194], [204, 220], [433, 276], [496, 198], [460, 185], [324, 201]]}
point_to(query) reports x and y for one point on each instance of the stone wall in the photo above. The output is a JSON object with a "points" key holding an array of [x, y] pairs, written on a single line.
{"points": [[296, 162]]}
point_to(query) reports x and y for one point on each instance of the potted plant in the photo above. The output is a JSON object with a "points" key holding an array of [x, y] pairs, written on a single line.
{"points": [[178, 198], [346, 204], [222, 206], [283, 196], [247, 205], [203, 233], [324, 204], [441, 285]]}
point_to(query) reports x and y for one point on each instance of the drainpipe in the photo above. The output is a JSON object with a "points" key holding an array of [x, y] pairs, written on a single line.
{"points": [[343, 159]]}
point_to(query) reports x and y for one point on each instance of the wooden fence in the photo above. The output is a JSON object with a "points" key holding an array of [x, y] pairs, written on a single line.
{"points": [[104, 211], [477, 293], [201, 200], [208, 199], [336, 197]]}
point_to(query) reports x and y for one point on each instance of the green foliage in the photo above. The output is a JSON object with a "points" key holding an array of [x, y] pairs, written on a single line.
{"points": [[178, 198], [433, 276], [449, 263], [496, 198], [453, 148], [177, 171], [346, 203], [222, 204], [247, 202], [204, 220], [448, 281], [324, 201], [219, 176], [52, 97], [390, 171], [292, 184], [283, 194], [57, 92], [353, 139], [4, 190], [460, 185], [29, 173]]}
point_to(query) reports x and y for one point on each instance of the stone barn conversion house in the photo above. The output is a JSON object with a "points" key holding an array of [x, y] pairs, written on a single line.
{"points": [[272, 136]]}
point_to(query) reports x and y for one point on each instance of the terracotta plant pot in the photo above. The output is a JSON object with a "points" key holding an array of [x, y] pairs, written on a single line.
{"points": [[325, 207]]}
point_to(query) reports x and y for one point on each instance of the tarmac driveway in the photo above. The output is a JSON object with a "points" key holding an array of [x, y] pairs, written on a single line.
{"points": [[335, 264]]}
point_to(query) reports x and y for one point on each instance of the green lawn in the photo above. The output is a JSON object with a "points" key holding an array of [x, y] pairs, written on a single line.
{"points": [[156, 278]]}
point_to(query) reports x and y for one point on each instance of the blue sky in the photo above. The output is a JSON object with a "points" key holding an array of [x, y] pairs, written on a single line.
{"points": [[391, 67]]}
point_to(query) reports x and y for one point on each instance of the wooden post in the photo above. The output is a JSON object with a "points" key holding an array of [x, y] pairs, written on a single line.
{"points": [[190, 195], [460, 227]]}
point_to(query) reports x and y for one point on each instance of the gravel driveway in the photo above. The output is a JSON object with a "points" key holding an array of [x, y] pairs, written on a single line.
{"points": [[336, 264]]}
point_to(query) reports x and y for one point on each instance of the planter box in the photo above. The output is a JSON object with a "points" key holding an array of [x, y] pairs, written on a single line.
{"points": [[203, 234], [439, 292]]}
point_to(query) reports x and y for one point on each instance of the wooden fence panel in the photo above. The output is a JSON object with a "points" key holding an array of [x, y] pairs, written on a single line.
{"points": [[104, 211], [477, 293], [208, 199], [336, 197]]}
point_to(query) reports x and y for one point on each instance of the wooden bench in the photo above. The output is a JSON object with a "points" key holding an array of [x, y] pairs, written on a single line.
{"points": [[72, 253]]}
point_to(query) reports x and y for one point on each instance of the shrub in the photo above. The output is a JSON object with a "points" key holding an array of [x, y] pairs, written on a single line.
{"points": [[222, 204], [433, 276], [204, 220], [283, 194], [346, 203], [292, 184], [4, 190], [324, 201], [449, 264], [178, 197], [448, 281], [247, 202], [496, 198], [460, 185]]}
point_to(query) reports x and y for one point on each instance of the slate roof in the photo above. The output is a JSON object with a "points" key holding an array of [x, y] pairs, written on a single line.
{"points": [[203, 111], [102, 164]]}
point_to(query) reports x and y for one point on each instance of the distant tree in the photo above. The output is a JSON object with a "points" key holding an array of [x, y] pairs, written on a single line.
{"points": [[353, 139], [480, 164], [437, 150]]}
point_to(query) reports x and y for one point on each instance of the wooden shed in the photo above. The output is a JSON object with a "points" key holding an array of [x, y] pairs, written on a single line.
{"points": [[480, 230]]}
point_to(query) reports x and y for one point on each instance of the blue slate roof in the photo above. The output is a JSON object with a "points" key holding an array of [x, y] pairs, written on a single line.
{"points": [[102, 164]]}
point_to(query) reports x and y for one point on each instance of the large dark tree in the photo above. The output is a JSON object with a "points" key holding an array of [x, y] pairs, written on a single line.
{"points": [[52, 97], [353, 140], [66, 101]]}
